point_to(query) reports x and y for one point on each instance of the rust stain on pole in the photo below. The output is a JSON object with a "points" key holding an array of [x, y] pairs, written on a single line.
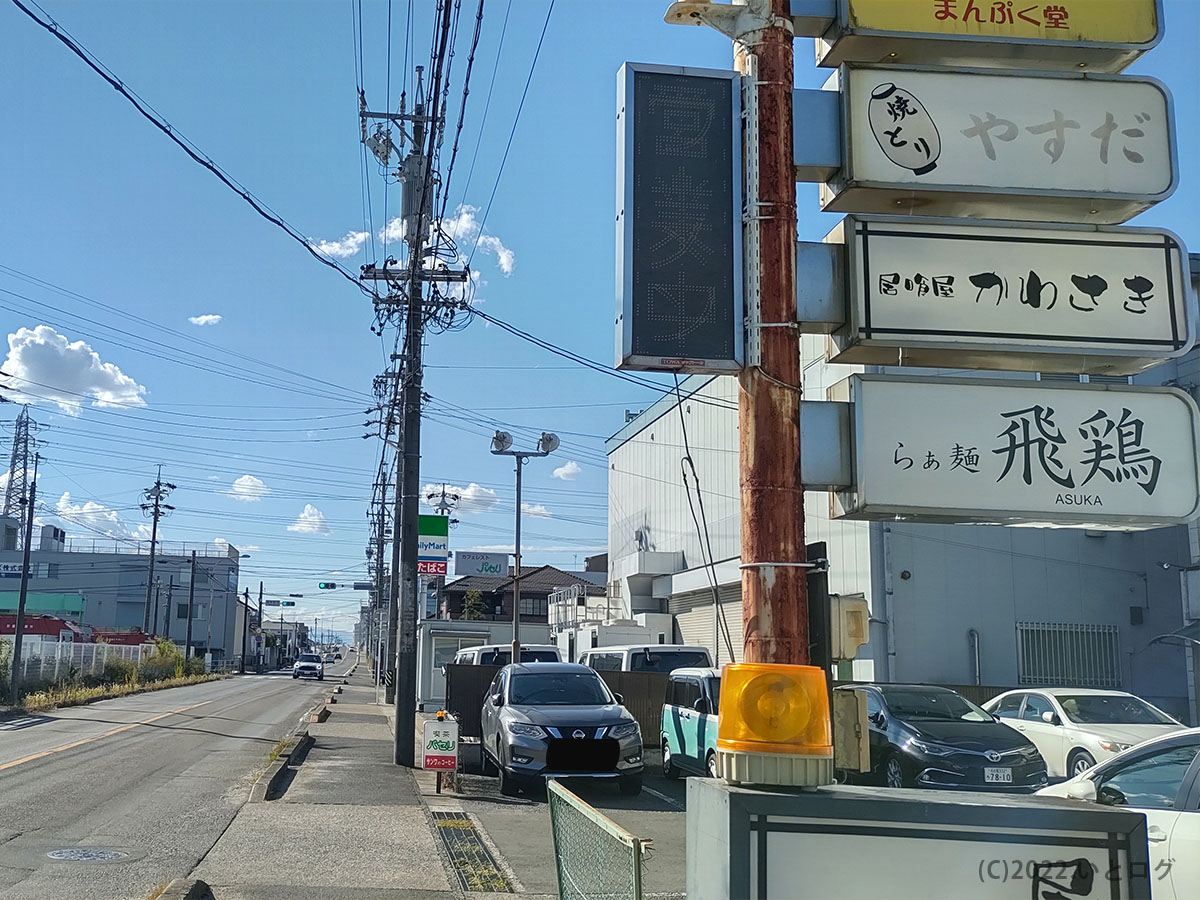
{"points": [[774, 598]]}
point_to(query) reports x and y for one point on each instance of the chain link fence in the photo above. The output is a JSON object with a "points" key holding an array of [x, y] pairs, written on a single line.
{"points": [[595, 857], [54, 661]]}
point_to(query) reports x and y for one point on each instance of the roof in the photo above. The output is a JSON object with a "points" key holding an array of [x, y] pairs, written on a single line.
{"points": [[696, 672], [542, 668], [543, 579], [508, 646], [1072, 692], [657, 648]]}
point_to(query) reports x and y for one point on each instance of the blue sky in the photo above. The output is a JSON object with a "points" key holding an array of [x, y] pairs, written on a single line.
{"points": [[118, 228]]}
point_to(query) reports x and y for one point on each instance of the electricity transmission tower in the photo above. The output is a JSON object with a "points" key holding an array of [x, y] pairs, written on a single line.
{"points": [[17, 490]]}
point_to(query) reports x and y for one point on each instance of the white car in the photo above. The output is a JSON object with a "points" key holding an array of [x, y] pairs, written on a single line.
{"points": [[1075, 728], [309, 665], [1160, 778]]}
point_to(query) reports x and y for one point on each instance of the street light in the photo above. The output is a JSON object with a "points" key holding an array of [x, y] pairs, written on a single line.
{"points": [[501, 444]]}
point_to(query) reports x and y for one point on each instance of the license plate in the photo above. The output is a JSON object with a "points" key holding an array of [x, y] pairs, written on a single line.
{"points": [[997, 775]]}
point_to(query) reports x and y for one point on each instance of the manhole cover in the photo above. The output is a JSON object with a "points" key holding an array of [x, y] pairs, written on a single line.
{"points": [[87, 854]]}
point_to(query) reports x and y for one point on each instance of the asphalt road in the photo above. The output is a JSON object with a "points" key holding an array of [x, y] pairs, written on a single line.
{"points": [[156, 778]]}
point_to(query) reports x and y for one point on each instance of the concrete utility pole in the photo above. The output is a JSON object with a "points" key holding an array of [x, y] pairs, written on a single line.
{"points": [[245, 627], [774, 588], [416, 174], [187, 641], [28, 501], [167, 608], [155, 507], [261, 635]]}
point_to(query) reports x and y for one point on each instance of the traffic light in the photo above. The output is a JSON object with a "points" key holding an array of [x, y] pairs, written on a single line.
{"points": [[287, 603], [326, 585]]}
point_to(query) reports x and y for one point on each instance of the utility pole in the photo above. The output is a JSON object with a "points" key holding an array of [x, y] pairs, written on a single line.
{"points": [[157, 591], [187, 641], [245, 627], [774, 567], [167, 609], [262, 635], [154, 506], [28, 502]]}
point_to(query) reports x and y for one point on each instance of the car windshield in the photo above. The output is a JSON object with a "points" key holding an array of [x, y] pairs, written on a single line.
{"points": [[557, 689], [666, 661], [309, 657], [943, 706], [504, 657], [1111, 709]]}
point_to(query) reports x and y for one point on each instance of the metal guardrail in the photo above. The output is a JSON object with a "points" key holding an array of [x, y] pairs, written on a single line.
{"points": [[594, 856]]}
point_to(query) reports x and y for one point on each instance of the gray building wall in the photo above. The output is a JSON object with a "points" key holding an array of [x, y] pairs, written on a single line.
{"points": [[114, 585]]}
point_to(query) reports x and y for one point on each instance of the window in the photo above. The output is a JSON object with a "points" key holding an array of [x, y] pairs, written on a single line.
{"points": [[51, 570], [874, 704], [714, 693], [181, 610], [685, 692], [1148, 782], [1068, 655], [559, 689], [534, 606], [1112, 709], [933, 706], [1035, 705], [1010, 706], [608, 662], [652, 661]]}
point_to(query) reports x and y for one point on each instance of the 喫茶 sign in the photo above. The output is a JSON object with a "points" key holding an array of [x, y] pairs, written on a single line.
{"points": [[939, 293], [433, 544], [440, 742], [679, 219], [975, 143], [1020, 452], [1101, 35]]}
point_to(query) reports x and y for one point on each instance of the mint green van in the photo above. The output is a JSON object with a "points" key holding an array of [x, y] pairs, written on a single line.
{"points": [[689, 722]]}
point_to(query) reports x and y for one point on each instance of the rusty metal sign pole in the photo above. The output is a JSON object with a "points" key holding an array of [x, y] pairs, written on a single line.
{"points": [[774, 585], [774, 580]]}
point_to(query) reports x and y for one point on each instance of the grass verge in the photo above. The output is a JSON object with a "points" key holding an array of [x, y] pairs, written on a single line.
{"points": [[77, 695]]}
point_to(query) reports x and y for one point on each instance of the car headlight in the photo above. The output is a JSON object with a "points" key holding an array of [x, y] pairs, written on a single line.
{"points": [[1114, 746], [526, 730], [932, 749], [624, 730]]}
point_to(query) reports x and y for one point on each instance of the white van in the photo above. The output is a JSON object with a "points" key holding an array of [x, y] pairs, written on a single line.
{"points": [[645, 658], [501, 654]]}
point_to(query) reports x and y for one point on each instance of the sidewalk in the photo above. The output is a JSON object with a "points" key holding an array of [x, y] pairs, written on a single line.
{"points": [[349, 826]]}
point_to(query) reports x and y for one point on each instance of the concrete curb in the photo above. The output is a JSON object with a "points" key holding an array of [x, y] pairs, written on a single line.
{"points": [[320, 715], [268, 782], [187, 889]]}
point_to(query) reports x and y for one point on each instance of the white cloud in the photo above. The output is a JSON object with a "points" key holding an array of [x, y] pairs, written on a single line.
{"points": [[348, 246], [206, 319], [52, 368], [474, 498], [568, 471], [89, 518], [247, 489], [310, 521], [463, 226], [224, 544], [536, 510]]}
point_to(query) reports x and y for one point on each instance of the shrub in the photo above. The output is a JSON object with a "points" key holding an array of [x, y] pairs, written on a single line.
{"points": [[193, 666], [120, 671]]}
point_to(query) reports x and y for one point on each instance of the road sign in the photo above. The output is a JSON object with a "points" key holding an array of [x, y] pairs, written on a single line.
{"points": [[364, 586], [433, 545], [1020, 452], [440, 740], [679, 219], [270, 603], [1033, 147], [1102, 36], [996, 295], [466, 563]]}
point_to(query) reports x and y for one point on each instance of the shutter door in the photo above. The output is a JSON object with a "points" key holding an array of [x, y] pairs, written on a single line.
{"points": [[694, 620]]}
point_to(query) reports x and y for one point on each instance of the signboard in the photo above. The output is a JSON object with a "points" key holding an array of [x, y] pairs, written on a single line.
{"points": [[66, 635], [995, 295], [1101, 35], [433, 544], [679, 219], [972, 143], [270, 603], [440, 740], [1020, 452], [11, 570], [467, 563]]}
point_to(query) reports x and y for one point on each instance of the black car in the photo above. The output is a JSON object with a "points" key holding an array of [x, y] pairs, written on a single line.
{"points": [[932, 737]]}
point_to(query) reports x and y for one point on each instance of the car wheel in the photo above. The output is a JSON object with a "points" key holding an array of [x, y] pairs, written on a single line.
{"points": [[1079, 763], [670, 770], [509, 786], [631, 785], [489, 767], [710, 765], [294, 675], [893, 772], [321, 677]]}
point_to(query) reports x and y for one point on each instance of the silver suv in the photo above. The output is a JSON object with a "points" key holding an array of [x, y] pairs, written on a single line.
{"points": [[309, 665], [558, 719]]}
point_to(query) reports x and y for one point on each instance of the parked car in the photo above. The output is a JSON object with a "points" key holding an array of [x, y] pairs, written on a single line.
{"points": [[558, 719], [337, 656], [309, 665], [689, 722], [645, 658], [1160, 778], [932, 737], [501, 654], [1075, 728]]}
